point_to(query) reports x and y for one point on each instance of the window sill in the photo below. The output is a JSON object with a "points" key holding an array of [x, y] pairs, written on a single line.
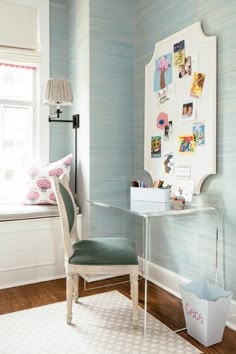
{"points": [[11, 212]]}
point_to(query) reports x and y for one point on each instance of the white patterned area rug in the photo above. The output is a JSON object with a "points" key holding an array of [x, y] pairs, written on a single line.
{"points": [[101, 324]]}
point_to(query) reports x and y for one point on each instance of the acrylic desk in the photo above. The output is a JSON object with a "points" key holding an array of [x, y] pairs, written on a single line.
{"points": [[150, 210]]}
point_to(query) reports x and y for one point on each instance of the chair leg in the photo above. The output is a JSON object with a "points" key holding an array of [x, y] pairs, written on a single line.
{"points": [[76, 287], [134, 296], [69, 296]]}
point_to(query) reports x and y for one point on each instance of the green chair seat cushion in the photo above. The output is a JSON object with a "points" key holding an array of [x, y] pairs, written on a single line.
{"points": [[104, 251]]}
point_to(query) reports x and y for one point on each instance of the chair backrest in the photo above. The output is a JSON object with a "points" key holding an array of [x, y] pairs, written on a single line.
{"points": [[67, 210]]}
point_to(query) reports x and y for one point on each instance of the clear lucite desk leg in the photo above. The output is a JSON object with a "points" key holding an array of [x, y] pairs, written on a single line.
{"points": [[146, 258], [218, 222]]}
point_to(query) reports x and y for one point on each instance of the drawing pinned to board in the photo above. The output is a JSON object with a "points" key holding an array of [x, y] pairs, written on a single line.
{"points": [[197, 84], [179, 53], [162, 120], [187, 111], [199, 133], [163, 72], [155, 146], [186, 144], [169, 163], [165, 94]]}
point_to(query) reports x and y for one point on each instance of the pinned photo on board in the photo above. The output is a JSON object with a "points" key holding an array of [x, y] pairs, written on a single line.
{"points": [[179, 53], [186, 68], [168, 131], [188, 110], [197, 84], [199, 133], [155, 146]]}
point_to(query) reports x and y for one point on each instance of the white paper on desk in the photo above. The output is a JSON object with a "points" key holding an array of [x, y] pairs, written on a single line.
{"points": [[183, 188]]}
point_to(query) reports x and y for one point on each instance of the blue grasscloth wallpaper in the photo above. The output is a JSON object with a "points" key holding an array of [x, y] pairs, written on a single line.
{"points": [[111, 97], [59, 133], [108, 43]]}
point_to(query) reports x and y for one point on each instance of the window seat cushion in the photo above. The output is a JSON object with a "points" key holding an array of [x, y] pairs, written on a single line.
{"points": [[10, 212]]}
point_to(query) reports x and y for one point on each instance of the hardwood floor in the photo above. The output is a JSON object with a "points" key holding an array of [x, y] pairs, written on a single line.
{"points": [[164, 306]]}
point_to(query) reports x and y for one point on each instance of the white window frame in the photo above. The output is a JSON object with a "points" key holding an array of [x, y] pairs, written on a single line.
{"points": [[32, 103], [40, 59], [9, 191]]}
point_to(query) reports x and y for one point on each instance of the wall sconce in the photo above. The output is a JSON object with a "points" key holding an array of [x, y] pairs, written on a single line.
{"points": [[58, 93]]}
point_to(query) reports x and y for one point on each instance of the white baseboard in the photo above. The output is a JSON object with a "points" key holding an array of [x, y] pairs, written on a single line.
{"points": [[32, 281], [171, 281]]}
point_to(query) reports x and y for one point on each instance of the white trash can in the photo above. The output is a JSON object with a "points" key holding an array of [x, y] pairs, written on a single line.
{"points": [[205, 310]]}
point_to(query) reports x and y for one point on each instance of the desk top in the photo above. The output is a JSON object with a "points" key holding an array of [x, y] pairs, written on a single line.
{"points": [[151, 209]]}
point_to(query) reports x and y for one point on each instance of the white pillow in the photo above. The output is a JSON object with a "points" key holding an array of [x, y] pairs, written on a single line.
{"points": [[38, 188]]}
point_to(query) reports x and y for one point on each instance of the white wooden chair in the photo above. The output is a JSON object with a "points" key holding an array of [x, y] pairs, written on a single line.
{"points": [[105, 255]]}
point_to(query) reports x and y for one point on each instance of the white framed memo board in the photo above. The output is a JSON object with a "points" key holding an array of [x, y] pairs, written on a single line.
{"points": [[180, 109]]}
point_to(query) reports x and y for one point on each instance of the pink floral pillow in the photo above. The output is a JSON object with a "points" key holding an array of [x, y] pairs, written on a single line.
{"points": [[37, 179]]}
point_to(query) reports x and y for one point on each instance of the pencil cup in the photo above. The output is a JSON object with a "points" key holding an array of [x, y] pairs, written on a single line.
{"points": [[160, 195]]}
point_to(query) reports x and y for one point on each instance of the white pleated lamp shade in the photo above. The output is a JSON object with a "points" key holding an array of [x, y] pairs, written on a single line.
{"points": [[58, 91]]}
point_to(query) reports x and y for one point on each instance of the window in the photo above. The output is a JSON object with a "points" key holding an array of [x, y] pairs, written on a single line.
{"points": [[18, 101], [24, 128]]}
